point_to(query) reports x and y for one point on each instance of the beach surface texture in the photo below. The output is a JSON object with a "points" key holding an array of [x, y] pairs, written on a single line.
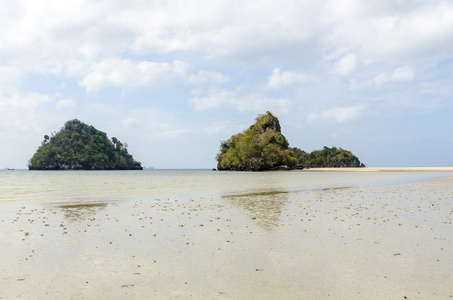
{"points": [[382, 241]]}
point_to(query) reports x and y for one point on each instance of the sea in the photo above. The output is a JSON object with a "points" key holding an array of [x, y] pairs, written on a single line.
{"points": [[75, 187]]}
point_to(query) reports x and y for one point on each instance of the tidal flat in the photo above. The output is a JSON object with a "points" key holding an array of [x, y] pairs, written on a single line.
{"points": [[336, 242]]}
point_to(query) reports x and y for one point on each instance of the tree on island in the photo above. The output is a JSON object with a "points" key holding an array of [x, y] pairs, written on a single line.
{"points": [[327, 158], [78, 146], [263, 147]]}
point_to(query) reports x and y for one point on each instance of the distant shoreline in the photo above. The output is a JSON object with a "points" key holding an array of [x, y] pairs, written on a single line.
{"points": [[380, 169]]}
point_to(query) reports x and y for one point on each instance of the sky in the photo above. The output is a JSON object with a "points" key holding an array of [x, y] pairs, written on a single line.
{"points": [[174, 78]]}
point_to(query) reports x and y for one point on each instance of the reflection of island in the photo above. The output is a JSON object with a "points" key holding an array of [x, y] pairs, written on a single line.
{"points": [[77, 212], [265, 207]]}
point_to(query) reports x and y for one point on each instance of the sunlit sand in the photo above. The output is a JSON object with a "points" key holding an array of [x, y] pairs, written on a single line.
{"points": [[375, 169], [384, 242]]}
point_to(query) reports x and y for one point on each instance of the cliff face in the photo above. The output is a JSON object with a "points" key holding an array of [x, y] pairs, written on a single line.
{"points": [[261, 147], [78, 146]]}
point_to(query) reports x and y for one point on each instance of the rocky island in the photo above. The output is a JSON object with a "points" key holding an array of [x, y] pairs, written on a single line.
{"points": [[78, 146], [263, 147], [327, 158]]}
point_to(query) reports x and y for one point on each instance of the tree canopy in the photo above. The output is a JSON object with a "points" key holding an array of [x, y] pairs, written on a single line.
{"points": [[261, 147], [81, 146], [327, 158]]}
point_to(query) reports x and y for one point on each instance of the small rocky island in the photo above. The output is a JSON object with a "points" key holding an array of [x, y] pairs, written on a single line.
{"points": [[327, 158], [78, 146], [263, 147]]}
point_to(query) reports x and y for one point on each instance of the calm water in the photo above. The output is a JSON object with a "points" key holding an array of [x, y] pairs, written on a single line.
{"points": [[108, 186]]}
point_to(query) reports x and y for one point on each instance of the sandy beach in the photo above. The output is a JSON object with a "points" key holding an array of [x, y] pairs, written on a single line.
{"points": [[384, 169], [383, 242]]}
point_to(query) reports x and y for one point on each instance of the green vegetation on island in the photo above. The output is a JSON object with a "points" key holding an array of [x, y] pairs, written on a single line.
{"points": [[327, 158], [263, 147], [78, 146]]}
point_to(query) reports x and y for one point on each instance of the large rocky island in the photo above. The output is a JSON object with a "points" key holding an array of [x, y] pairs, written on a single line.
{"points": [[263, 147], [78, 146]]}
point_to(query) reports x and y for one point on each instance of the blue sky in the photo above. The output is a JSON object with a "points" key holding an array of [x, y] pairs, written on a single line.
{"points": [[174, 78]]}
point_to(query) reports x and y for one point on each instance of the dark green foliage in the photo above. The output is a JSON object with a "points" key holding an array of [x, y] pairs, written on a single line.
{"points": [[327, 158], [83, 147], [261, 147]]}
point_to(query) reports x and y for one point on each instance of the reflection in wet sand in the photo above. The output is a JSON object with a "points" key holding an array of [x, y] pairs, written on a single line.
{"points": [[295, 241], [333, 189], [265, 207], [78, 212]]}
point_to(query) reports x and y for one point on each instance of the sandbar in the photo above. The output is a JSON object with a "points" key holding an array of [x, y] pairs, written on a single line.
{"points": [[383, 242], [380, 169]]}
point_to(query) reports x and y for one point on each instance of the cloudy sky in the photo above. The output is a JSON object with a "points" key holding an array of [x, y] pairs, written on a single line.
{"points": [[174, 78]]}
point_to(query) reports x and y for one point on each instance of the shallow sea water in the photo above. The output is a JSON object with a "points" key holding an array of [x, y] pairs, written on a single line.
{"points": [[199, 234], [47, 187]]}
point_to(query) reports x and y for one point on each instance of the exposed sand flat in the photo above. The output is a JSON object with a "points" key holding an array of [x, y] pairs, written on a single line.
{"points": [[385, 242], [383, 169]]}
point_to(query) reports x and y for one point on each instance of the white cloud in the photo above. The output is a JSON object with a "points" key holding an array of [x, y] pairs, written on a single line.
{"points": [[279, 79], [388, 31], [204, 76], [213, 101], [338, 114], [218, 129], [65, 103], [243, 32], [10, 79], [345, 65], [25, 119], [405, 73], [253, 102], [437, 88], [422, 32], [75, 68], [153, 124], [124, 73], [44, 36], [27, 101], [223, 129], [169, 132], [356, 85]]}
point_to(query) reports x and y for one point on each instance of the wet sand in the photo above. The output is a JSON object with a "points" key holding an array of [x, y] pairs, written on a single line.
{"points": [[384, 169], [384, 242]]}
